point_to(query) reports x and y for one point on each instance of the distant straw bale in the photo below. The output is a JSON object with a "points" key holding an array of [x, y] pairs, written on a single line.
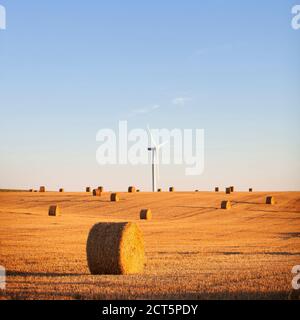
{"points": [[225, 205], [96, 193], [114, 197], [270, 200], [131, 189], [54, 211], [145, 214]]}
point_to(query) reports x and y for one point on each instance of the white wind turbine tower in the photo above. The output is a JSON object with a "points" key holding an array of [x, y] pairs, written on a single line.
{"points": [[155, 159]]}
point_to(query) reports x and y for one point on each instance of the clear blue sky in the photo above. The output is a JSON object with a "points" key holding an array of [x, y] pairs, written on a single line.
{"points": [[69, 68]]}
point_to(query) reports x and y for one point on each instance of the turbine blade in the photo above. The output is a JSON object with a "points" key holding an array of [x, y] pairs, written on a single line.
{"points": [[162, 144], [151, 136]]}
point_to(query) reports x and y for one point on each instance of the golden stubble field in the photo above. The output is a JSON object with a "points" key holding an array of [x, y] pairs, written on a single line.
{"points": [[194, 250]]}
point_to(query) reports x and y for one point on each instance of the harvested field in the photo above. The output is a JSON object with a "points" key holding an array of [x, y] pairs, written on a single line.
{"points": [[194, 249]]}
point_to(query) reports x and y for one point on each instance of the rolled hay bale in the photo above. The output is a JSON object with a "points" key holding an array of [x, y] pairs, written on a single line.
{"points": [[131, 189], [88, 189], [115, 248], [270, 200], [250, 190], [197, 190], [232, 189], [228, 190], [217, 189], [54, 211], [96, 193], [145, 214], [171, 189], [138, 190], [42, 189], [101, 189], [158, 190], [114, 197], [226, 205], [30, 190], [61, 190]]}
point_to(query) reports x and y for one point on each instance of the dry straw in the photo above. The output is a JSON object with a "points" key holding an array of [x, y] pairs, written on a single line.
{"points": [[101, 189], [216, 189], [225, 205], [270, 200], [196, 190], [42, 189], [30, 190], [232, 189], [115, 248], [158, 190], [96, 193], [61, 190], [171, 189], [87, 189], [54, 211], [114, 197], [250, 190], [131, 189], [145, 214], [228, 190]]}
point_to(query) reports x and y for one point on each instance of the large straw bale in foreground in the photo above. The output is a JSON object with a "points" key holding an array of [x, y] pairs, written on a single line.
{"points": [[115, 248]]}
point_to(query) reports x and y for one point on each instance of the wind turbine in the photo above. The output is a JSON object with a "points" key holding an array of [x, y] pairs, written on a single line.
{"points": [[155, 159]]}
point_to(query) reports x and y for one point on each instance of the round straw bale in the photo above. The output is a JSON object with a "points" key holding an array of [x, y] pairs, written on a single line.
{"points": [[115, 248], [131, 189], [145, 214], [96, 193], [171, 189], [138, 190], [225, 205], [61, 190], [232, 189], [216, 189], [250, 190], [54, 211], [88, 189], [101, 189], [114, 197], [270, 200], [228, 190], [42, 189], [30, 190], [197, 190], [158, 190]]}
